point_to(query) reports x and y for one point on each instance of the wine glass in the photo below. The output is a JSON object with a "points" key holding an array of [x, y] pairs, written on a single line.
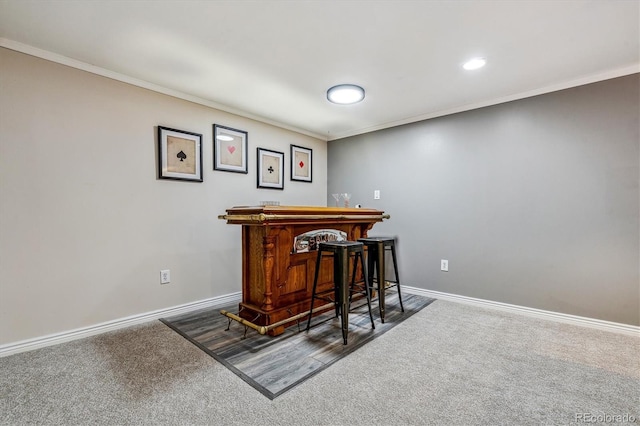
{"points": [[346, 197], [337, 198]]}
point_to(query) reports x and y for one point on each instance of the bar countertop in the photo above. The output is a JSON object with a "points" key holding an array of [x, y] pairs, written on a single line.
{"points": [[264, 215]]}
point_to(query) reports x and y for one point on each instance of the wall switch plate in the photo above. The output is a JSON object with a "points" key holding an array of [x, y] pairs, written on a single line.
{"points": [[165, 276], [376, 194], [444, 265]]}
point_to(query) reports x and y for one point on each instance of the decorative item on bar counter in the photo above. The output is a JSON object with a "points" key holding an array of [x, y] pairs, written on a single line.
{"points": [[346, 197], [337, 198]]}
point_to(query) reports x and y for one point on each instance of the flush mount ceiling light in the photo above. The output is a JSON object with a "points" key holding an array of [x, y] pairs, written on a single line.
{"points": [[474, 64], [345, 94]]}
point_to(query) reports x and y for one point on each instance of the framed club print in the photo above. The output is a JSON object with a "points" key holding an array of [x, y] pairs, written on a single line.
{"points": [[301, 163], [179, 154], [230, 149], [270, 169]]}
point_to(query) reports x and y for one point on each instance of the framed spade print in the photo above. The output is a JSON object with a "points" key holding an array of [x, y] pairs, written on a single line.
{"points": [[301, 163], [229, 149], [270, 169], [179, 154]]}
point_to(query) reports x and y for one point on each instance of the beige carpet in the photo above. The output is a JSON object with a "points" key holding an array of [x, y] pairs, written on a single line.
{"points": [[449, 364]]}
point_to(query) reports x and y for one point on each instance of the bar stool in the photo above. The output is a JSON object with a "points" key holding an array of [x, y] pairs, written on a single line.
{"points": [[341, 252], [376, 248]]}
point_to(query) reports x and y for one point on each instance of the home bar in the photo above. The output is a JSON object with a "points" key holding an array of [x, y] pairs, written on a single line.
{"points": [[279, 258]]}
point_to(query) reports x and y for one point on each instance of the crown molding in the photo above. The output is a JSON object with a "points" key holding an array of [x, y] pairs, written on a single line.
{"points": [[73, 63], [619, 72]]}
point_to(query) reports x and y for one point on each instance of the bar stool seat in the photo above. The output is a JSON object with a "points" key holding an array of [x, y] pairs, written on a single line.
{"points": [[342, 251], [376, 249]]}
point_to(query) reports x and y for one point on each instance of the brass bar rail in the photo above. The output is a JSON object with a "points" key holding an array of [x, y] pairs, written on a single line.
{"points": [[263, 329]]}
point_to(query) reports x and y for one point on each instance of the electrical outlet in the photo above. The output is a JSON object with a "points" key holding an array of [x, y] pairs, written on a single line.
{"points": [[376, 194], [165, 276], [444, 265]]}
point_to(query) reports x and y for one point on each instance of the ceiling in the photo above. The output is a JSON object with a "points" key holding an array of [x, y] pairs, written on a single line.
{"points": [[274, 60]]}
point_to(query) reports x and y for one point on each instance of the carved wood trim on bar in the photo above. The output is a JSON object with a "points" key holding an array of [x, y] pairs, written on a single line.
{"points": [[268, 270]]}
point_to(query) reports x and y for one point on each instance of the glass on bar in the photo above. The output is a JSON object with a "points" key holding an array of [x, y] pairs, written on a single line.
{"points": [[346, 198]]}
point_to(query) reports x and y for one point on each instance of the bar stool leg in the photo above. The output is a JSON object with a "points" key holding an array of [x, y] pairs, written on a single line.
{"points": [[342, 282], [381, 279], [366, 286], [395, 269], [371, 264], [353, 277]]}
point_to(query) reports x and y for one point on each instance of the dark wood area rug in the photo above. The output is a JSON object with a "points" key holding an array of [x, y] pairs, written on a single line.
{"points": [[273, 365]]}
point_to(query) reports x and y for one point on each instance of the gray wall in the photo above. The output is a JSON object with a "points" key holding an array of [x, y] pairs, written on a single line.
{"points": [[85, 225], [533, 202]]}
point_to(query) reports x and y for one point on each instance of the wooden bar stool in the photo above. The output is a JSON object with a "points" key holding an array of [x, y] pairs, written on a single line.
{"points": [[341, 252], [376, 249]]}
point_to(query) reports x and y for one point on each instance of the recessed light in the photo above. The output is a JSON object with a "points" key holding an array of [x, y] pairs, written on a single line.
{"points": [[474, 64], [345, 94]]}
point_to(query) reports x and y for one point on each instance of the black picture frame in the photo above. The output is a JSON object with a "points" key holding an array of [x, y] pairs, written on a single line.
{"points": [[230, 149], [301, 164], [179, 155], [270, 169]]}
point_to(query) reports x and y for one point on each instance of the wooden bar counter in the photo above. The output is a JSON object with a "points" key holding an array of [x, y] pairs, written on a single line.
{"points": [[279, 255]]}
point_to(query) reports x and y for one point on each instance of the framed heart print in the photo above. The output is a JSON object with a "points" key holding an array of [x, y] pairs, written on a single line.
{"points": [[230, 149]]}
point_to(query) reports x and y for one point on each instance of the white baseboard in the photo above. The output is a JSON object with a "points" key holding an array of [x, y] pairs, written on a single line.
{"points": [[54, 339], [67, 336], [532, 312]]}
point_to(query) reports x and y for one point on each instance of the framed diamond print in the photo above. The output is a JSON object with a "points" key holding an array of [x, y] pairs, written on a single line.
{"points": [[230, 149], [301, 163], [270, 169]]}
